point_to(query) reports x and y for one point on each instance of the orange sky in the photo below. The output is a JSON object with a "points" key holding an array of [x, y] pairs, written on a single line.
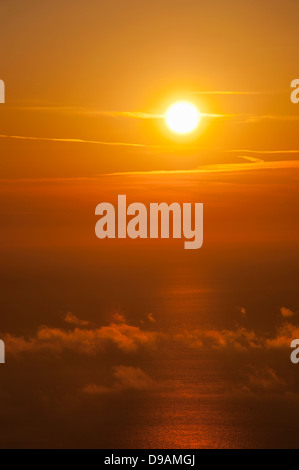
{"points": [[141, 342], [94, 61], [85, 100]]}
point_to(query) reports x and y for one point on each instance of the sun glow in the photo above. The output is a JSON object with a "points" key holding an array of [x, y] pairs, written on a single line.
{"points": [[182, 117]]}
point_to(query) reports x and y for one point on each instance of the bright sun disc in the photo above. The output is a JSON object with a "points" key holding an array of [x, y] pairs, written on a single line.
{"points": [[182, 117]]}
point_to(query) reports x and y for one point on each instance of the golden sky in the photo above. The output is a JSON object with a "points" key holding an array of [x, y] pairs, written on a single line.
{"points": [[140, 342], [102, 72]]}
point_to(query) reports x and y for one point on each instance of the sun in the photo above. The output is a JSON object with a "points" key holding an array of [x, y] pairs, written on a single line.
{"points": [[182, 117]]}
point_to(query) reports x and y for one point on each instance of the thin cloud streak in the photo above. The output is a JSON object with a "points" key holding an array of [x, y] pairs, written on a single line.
{"points": [[219, 92], [140, 145], [272, 117], [247, 118], [96, 112], [251, 159], [294, 151], [80, 141], [219, 168], [90, 111]]}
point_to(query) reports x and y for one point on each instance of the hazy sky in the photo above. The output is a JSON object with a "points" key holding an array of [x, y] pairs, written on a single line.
{"points": [[141, 343], [71, 69]]}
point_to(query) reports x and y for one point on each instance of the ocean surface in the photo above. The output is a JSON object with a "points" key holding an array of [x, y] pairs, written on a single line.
{"points": [[197, 383]]}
